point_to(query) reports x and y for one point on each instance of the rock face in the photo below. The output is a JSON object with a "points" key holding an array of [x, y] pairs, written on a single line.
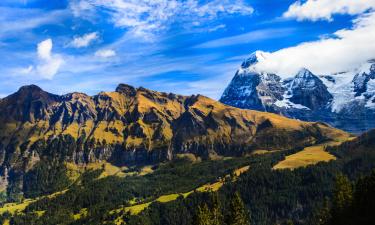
{"points": [[308, 90], [344, 100]]}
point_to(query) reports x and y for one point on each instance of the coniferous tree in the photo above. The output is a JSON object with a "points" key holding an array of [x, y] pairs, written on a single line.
{"points": [[237, 212], [364, 200], [324, 215], [216, 213], [203, 216], [342, 200], [289, 222]]}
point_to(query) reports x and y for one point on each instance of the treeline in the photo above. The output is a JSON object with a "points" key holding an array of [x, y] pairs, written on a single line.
{"points": [[100, 196], [351, 204]]}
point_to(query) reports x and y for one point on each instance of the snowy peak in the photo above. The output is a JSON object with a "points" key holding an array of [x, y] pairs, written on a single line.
{"points": [[306, 79], [345, 100], [304, 73], [254, 58]]}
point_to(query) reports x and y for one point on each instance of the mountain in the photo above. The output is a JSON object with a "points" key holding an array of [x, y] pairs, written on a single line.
{"points": [[344, 100], [134, 126]]}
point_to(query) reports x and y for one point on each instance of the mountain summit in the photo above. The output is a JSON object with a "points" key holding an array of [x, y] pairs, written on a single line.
{"points": [[345, 100]]}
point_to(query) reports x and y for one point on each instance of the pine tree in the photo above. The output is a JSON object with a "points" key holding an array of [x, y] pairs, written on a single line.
{"points": [[323, 215], [289, 222], [203, 216], [364, 200], [216, 214], [237, 213], [342, 200]]}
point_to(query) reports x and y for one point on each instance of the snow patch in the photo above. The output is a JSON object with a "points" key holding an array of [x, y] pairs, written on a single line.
{"points": [[285, 103]]}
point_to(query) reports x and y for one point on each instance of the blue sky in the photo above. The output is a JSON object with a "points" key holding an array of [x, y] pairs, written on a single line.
{"points": [[186, 47]]}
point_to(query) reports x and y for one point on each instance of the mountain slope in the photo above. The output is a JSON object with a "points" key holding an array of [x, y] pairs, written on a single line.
{"points": [[344, 100], [133, 126]]}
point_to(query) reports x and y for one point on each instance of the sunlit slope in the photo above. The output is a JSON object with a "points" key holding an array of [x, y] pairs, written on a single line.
{"points": [[140, 125]]}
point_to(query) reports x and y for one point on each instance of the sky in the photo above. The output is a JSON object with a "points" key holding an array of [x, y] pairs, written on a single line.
{"points": [[185, 47]]}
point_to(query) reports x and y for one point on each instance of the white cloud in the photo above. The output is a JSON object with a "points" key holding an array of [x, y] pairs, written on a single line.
{"points": [[13, 22], [324, 9], [45, 49], [247, 38], [218, 27], [85, 40], [80, 8], [105, 53], [27, 70], [346, 50], [48, 63], [145, 18]]}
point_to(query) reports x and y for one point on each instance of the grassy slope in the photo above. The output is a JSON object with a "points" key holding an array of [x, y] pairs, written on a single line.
{"points": [[14, 208], [309, 156]]}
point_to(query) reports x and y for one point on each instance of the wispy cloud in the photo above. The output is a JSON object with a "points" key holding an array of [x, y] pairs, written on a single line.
{"points": [[12, 20], [247, 38], [144, 18], [218, 27]]}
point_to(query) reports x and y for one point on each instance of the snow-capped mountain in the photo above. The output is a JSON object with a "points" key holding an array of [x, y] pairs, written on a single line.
{"points": [[345, 100]]}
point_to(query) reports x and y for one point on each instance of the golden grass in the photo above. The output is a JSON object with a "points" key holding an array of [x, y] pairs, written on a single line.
{"points": [[168, 198], [308, 156], [146, 170], [40, 213], [72, 130], [136, 209], [211, 187], [241, 170], [74, 171], [14, 208], [262, 152], [82, 213], [101, 134], [189, 156]]}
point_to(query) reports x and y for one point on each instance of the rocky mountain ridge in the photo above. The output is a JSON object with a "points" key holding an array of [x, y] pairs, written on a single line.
{"points": [[344, 100], [137, 125]]}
